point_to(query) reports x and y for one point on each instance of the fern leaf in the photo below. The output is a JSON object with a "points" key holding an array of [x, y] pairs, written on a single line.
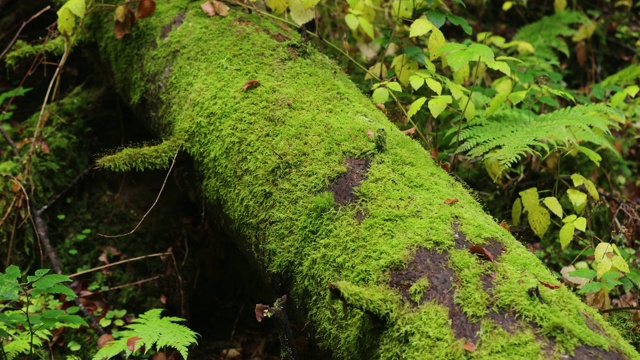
{"points": [[508, 135]]}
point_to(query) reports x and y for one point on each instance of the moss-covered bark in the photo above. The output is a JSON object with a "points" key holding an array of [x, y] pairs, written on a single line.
{"points": [[368, 250]]}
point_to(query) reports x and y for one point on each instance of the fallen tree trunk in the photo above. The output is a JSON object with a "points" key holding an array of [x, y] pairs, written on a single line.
{"points": [[345, 213]]}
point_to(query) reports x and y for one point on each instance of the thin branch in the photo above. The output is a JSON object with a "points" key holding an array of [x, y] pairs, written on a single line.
{"points": [[173, 162], [20, 30], [119, 263], [73, 183], [125, 285]]}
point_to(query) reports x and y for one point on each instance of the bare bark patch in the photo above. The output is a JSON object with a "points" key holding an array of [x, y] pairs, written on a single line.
{"points": [[177, 21], [435, 267], [586, 352], [342, 187]]}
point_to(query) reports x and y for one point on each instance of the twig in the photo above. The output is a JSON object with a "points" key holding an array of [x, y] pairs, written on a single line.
{"points": [[20, 30], [119, 263], [73, 182], [173, 162], [233, 330], [125, 285]]}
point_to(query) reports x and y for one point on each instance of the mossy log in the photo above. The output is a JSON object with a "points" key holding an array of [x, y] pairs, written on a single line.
{"points": [[335, 203]]}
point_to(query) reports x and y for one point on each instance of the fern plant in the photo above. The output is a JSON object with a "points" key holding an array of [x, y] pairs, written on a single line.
{"points": [[508, 135], [150, 330]]}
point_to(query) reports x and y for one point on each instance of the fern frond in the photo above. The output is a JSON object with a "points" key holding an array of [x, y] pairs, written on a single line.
{"points": [[510, 134], [546, 34], [151, 331]]}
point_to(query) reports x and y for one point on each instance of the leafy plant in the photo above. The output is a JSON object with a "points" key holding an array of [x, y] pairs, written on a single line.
{"points": [[30, 310], [150, 330]]}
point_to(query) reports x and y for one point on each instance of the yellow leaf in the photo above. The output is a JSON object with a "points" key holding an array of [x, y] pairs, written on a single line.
{"points": [[350, 19], [566, 234], [507, 5], [553, 204], [379, 70], [529, 199], [601, 251], [434, 85], [461, 75], [578, 199], [299, 13], [539, 219], [585, 31], [420, 27], [559, 5], [620, 264], [278, 6], [436, 40], [581, 224], [516, 211]]}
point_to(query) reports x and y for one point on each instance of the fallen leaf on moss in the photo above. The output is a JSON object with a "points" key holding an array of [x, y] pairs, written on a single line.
{"points": [[145, 8], [470, 347], [477, 249], [451, 201], [124, 20], [370, 134], [221, 8], [551, 286], [250, 84], [409, 131], [208, 8]]}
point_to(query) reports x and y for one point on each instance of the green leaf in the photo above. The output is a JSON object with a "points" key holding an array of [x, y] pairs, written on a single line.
{"points": [[434, 85], [482, 51], [517, 96], [437, 104], [584, 273], [280, 6], [458, 59], [588, 184], [503, 67], [530, 199], [299, 13], [420, 27], [457, 20], [593, 286], [570, 218], [436, 18], [516, 211], [578, 199], [539, 219], [308, 4], [68, 14], [581, 224], [601, 250], [395, 86], [553, 204], [416, 106], [380, 95], [436, 41], [366, 26], [566, 234], [416, 81]]}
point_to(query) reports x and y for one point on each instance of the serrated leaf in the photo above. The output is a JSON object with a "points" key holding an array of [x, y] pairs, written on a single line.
{"points": [[553, 204], [482, 51], [299, 13], [438, 104], [539, 220], [458, 59], [584, 273], [578, 199], [416, 81], [581, 224], [620, 264], [591, 189], [461, 75], [517, 96], [420, 27], [577, 179], [416, 106], [516, 211], [434, 85], [380, 95], [601, 250], [503, 67], [569, 218], [566, 234], [530, 199], [603, 267], [436, 41], [77, 7], [592, 155], [394, 86], [593, 286]]}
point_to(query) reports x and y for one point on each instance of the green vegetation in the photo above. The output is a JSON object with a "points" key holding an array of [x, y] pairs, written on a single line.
{"points": [[536, 112]]}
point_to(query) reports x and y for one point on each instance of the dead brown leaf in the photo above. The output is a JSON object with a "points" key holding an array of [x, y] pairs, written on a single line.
{"points": [[470, 347], [208, 8], [104, 339], [451, 201], [124, 20], [370, 134], [221, 8], [477, 249], [261, 311], [145, 8], [131, 342], [250, 84], [410, 131]]}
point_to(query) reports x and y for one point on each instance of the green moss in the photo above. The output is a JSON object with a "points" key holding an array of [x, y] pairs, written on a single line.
{"points": [[417, 290], [267, 156], [472, 298], [22, 50], [152, 157]]}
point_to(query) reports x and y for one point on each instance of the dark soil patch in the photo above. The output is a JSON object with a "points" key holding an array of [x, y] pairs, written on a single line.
{"points": [[434, 266], [587, 352], [177, 21], [342, 187], [594, 326], [506, 320], [361, 215]]}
